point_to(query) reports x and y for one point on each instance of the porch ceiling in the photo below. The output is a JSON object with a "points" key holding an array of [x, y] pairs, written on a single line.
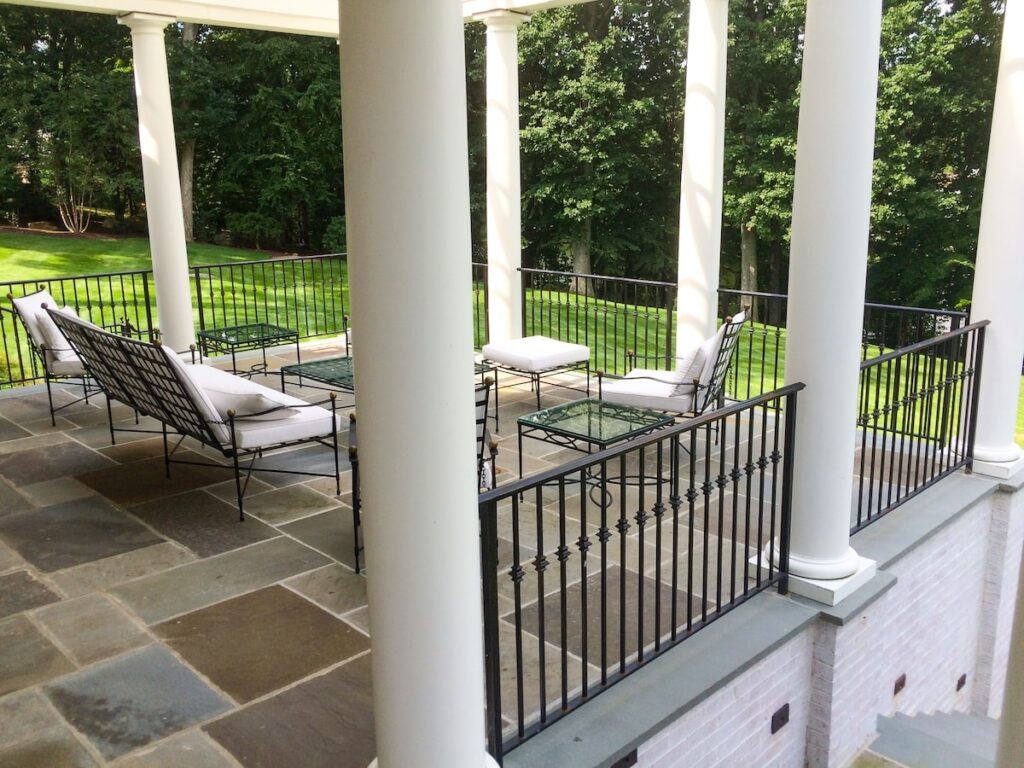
{"points": [[305, 17]]}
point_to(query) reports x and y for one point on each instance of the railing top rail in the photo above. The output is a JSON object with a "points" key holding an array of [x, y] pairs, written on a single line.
{"points": [[272, 260], [933, 342], [62, 278], [563, 470], [756, 294], [635, 280], [919, 310]]}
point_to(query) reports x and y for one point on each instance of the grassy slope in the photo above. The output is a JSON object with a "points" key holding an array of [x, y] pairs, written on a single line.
{"points": [[24, 256]]}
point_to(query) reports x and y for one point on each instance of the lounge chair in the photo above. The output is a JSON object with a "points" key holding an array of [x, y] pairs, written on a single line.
{"points": [[697, 382], [239, 418]]}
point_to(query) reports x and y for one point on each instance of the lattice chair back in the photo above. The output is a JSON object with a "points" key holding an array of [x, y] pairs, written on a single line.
{"points": [[484, 457], [716, 369], [140, 375]]}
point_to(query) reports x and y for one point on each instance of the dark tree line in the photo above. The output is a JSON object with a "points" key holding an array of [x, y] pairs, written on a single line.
{"points": [[602, 98]]}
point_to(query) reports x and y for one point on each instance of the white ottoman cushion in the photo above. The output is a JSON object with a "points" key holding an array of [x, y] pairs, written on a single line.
{"points": [[536, 353]]}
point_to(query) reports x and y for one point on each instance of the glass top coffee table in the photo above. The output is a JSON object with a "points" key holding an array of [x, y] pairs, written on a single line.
{"points": [[240, 338], [588, 424]]}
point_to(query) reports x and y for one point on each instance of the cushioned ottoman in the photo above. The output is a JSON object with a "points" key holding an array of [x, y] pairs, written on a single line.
{"points": [[538, 356]]}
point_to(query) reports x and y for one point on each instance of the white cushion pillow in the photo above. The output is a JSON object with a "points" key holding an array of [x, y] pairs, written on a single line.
{"points": [[710, 349], [55, 340], [232, 393], [690, 368]]}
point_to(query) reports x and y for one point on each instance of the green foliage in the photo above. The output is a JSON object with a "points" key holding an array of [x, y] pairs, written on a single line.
{"points": [[336, 236]]}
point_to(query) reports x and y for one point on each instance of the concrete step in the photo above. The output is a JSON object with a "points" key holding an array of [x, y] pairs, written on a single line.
{"points": [[931, 741]]}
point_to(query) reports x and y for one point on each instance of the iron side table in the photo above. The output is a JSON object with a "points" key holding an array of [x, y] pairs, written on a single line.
{"points": [[242, 338]]}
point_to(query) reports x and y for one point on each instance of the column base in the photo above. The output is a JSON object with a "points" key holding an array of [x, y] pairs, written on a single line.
{"points": [[1002, 470], [489, 762], [827, 591]]}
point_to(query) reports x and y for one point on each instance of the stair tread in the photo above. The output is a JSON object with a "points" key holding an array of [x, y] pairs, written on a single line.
{"points": [[930, 742]]}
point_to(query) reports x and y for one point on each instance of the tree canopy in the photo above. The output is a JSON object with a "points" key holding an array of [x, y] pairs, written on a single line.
{"points": [[602, 114]]}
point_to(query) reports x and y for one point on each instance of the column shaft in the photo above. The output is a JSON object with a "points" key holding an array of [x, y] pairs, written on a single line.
{"points": [[700, 199], [504, 229], [827, 269], [407, 201], [160, 177], [999, 271]]}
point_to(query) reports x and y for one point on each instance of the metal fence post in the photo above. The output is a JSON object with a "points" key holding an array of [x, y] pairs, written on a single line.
{"points": [[492, 649]]}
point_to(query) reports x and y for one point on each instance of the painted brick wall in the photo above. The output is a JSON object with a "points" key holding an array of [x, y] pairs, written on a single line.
{"points": [[733, 726]]}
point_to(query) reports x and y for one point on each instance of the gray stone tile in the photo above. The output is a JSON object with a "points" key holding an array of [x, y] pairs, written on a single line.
{"points": [[313, 458], [11, 501], [32, 443], [9, 559], [204, 582], [49, 748], [133, 700], [145, 480], [326, 722], [91, 627], [22, 714], [360, 619], [124, 451], [38, 464], [26, 657], [275, 637], [105, 573], [19, 591], [55, 491], [11, 431], [289, 503], [65, 535], [335, 588], [329, 532], [192, 749], [206, 525], [226, 491]]}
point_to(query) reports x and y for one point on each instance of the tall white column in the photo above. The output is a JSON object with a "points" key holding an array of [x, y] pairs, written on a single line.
{"points": [[407, 201], [700, 199], [1010, 750], [160, 177], [827, 269], [504, 229], [999, 271]]}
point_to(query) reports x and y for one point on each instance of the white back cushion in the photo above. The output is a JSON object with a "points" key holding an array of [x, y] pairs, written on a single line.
{"points": [[29, 307]]}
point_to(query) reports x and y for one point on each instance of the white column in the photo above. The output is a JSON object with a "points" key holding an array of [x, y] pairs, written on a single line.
{"points": [[827, 269], [160, 176], [700, 199], [1010, 751], [999, 270], [504, 229], [407, 202]]}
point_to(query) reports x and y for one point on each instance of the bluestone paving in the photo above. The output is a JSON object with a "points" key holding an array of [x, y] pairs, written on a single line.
{"points": [[253, 644], [91, 627], [203, 582], [134, 699], [335, 588], [146, 480], [27, 657], [105, 573], [76, 532], [329, 532], [19, 591], [45, 463], [289, 503], [191, 749]]}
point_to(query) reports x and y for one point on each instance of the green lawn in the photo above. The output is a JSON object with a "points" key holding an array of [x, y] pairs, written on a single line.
{"points": [[26, 256]]}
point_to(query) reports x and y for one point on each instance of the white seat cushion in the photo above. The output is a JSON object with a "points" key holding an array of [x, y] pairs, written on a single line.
{"points": [[651, 389], [67, 367], [535, 353]]}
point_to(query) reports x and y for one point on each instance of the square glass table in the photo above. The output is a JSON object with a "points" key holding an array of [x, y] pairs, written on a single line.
{"points": [[245, 337], [584, 425]]}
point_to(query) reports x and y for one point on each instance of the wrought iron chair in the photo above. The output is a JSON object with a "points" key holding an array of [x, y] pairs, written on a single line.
{"points": [[486, 460]]}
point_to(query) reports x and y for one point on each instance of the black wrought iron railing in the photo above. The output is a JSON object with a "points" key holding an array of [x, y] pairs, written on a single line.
{"points": [[916, 420], [307, 294], [593, 569], [614, 316], [114, 299]]}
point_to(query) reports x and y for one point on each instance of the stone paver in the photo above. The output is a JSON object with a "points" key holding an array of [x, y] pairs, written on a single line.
{"points": [[109, 571], [288, 503], [91, 628], [146, 480], [192, 749], [76, 532], [19, 591], [203, 582], [55, 491], [335, 588], [134, 699], [26, 657], [329, 532], [254, 644], [36, 465], [11, 500], [326, 722]]}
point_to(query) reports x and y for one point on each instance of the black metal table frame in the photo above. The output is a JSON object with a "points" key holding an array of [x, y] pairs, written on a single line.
{"points": [[208, 340]]}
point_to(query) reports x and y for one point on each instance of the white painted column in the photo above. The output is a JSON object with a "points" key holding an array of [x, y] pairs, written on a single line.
{"points": [[160, 176], [827, 270], [504, 228], [1010, 750], [407, 202], [700, 199], [999, 270]]}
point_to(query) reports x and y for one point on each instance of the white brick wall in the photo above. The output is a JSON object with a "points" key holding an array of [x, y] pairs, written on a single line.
{"points": [[1005, 541], [949, 613], [733, 726]]}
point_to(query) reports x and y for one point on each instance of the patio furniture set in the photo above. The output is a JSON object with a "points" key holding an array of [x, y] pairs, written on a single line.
{"points": [[244, 421]]}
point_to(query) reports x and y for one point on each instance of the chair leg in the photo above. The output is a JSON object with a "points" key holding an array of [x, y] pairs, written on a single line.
{"points": [[110, 421], [334, 436], [49, 397], [238, 486], [167, 455], [356, 506]]}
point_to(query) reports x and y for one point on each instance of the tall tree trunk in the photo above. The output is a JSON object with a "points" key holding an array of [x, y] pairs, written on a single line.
{"points": [[188, 150], [775, 316], [748, 265], [581, 258]]}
